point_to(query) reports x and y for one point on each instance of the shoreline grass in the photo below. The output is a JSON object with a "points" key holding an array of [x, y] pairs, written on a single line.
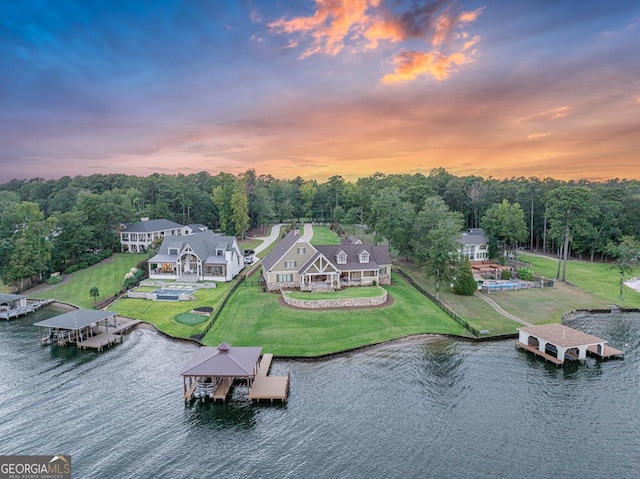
{"points": [[107, 276], [255, 317]]}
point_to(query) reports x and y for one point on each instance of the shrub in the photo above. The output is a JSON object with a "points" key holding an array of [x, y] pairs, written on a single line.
{"points": [[525, 274], [55, 278], [71, 269], [506, 274], [463, 283]]}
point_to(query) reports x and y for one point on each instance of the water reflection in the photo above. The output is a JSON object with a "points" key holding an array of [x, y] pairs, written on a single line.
{"points": [[228, 415]]}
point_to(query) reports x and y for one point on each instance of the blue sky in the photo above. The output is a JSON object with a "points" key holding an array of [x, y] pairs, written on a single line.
{"points": [[319, 88]]}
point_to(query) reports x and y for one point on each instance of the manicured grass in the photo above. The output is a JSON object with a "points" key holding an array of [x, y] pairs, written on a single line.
{"points": [[107, 276], [253, 317], [598, 279], [145, 289], [249, 244], [191, 319], [324, 235], [162, 313], [355, 292], [471, 308]]}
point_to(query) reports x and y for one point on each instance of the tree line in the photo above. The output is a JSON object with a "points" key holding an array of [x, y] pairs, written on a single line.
{"points": [[48, 225]]}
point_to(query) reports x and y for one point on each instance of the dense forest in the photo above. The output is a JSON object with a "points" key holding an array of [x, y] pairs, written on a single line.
{"points": [[46, 226]]}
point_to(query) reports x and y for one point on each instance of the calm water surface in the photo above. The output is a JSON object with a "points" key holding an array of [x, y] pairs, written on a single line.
{"points": [[441, 409]]}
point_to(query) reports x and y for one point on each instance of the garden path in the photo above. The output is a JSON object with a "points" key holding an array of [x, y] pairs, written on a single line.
{"points": [[499, 309]]}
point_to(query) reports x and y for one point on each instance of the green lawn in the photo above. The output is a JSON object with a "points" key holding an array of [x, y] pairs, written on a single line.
{"points": [[162, 313], [249, 243], [597, 279], [253, 317], [355, 292], [324, 235], [471, 308], [107, 276]]}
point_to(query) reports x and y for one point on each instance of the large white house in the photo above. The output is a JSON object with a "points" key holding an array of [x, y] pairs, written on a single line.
{"points": [[137, 237], [474, 245], [295, 263], [204, 256]]}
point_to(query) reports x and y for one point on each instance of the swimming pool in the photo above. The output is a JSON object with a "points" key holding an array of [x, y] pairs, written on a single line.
{"points": [[167, 294]]}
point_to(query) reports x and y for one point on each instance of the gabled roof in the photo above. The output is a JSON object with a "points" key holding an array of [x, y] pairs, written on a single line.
{"points": [[378, 255], [473, 236], [197, 227], [205, 245], [281, 249], [150, 226], [351, 240], [77, 319], [224, 361]]}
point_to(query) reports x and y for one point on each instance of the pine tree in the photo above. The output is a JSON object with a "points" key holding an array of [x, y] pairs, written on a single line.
{"points": [[463, 283]]}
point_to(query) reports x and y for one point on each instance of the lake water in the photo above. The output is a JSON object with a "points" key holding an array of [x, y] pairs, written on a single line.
{"points": [[440, 409]]}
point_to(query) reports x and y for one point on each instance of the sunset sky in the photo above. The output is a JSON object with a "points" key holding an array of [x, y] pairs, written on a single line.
{"points": [[319, 88]]}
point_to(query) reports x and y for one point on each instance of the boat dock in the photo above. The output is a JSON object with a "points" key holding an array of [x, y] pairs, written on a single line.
{"points": [[86, 328], [15, 305], [556, 342], [212, 371], [269, 387]]}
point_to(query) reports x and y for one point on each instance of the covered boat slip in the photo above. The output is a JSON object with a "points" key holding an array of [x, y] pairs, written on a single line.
{"points": [[15, 305], [87, 328], [556, 342], [212, 371]]}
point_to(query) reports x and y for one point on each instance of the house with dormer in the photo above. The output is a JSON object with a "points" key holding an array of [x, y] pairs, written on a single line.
{"points": [[204, 256], [296, 263]]}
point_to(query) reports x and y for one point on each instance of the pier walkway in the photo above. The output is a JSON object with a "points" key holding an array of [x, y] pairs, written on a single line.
{"points": [[269, 387]]}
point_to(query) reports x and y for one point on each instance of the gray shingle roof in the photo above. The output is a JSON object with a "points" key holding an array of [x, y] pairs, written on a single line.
{"points": [[378, 255], [150, 226], [279, 251], [473, 236], [205, 245]]}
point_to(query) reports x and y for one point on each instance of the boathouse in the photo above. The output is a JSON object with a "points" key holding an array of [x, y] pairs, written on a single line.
{"points": [[556, 342], [87, 328], [212, 371]]}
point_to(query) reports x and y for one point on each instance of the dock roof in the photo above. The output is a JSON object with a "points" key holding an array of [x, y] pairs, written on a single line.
{"points": [[224, 361], [8, 298], [74, 320], [561, 335]]}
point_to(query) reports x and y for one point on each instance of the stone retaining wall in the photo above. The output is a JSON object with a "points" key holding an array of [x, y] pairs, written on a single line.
{"points": [[335, 303]]}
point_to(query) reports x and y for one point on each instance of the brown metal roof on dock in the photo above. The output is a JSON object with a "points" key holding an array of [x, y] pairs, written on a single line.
{"points": [[224, 360], [561, 335]]}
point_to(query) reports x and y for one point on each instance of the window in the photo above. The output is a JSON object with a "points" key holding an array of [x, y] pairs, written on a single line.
{"points": [[301, 250], [219, 252], [342, 257], [173, 250], [213, 270], [284, 278], [364, 257], [483, 246], [290, 264]]}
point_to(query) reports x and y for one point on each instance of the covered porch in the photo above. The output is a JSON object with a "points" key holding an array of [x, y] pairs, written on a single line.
{"points": [[319, 275]]}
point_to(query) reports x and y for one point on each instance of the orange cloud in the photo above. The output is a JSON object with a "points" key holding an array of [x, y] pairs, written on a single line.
{"points": [[409, 65], [329, 25], [448, 21], [552, 114]]}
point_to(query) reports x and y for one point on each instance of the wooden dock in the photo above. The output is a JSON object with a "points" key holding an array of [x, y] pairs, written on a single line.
{"points": [[23, 311], [100, 341], [223, 389], [608, 352], [269, 387], [537, 352]]}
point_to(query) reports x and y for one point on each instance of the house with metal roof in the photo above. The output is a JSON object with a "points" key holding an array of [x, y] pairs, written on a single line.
{"points": [[137, 237], [295, 263], [205, 256], [474, 245]]}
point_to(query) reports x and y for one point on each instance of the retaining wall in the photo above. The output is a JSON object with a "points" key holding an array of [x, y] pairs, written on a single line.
{"points": [[335, 303]]}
